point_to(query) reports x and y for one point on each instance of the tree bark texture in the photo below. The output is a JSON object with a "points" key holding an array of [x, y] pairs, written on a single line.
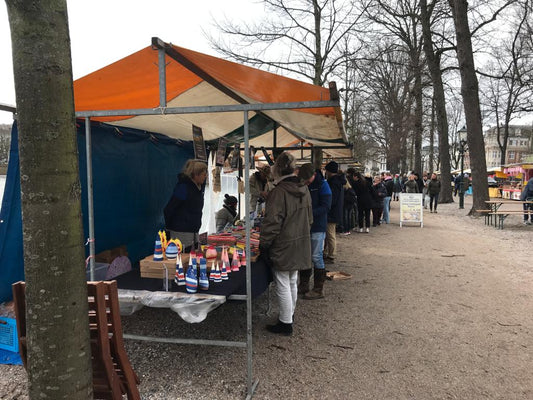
{"points": [[470, 95], [440, 104], [59, 353]]}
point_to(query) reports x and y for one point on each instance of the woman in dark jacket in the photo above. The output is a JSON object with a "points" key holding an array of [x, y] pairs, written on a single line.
{"points": [[433, 192], [364, 200], [379, 192], [183, 212]]}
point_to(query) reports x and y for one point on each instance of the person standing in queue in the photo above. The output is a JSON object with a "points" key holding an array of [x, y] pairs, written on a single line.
{"points": [[285, 241], [183, 212], [321, 202], [389, 185], [364, 198], [336, 182]]}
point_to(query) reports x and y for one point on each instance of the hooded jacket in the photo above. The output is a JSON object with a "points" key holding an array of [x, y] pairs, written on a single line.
{"points": [[285, 230], [336, 184], [183, 212]]}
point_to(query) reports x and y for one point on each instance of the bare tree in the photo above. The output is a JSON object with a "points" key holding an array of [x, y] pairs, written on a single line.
{"points": [[433, 61], [59, 352], [400, 20], [386, 80], [470, 95], [302, 37]]}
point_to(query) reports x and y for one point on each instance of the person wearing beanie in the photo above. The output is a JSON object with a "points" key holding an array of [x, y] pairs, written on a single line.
{"points": [[321, 202], [336, 182], [227, 214], [285, 242]]}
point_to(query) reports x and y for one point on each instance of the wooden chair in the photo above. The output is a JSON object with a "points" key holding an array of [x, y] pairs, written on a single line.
{"points": [[113, 375], [111, 312]]}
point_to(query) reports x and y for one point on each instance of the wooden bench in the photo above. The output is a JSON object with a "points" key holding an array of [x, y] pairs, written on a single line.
{"points": [[488, 214], [501, 215], [113, 375]]}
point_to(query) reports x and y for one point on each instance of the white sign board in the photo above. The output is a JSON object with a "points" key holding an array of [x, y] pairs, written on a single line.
{"points": [[411, 209]]}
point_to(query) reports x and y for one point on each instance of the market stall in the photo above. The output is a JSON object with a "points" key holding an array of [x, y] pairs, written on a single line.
{"points": [[520, 173], [273, 109], [135, 123]]}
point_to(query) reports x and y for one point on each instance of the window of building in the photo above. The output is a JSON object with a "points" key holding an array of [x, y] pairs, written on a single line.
{"points": [[511, 155]]}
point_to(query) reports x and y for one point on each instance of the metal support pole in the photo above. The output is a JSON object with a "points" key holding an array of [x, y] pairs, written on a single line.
{"points": [[90, 206], [162, 78], [461, 182], [247, 223]]}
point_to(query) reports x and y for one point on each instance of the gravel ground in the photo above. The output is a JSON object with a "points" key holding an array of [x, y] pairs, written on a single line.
{"points": [[439, 312]]}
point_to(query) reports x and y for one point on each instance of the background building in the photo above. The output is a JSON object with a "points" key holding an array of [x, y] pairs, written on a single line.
{"points": [[519, 145]]}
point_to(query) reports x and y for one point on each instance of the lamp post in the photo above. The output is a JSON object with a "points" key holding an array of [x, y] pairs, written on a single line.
{"points": [[461, 134]]}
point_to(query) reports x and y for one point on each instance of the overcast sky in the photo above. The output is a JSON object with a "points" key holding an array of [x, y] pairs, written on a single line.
{"points": [[103, 31]]}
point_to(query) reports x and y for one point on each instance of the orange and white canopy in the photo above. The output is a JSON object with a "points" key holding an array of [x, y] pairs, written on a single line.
{"points": [[196, 79]]}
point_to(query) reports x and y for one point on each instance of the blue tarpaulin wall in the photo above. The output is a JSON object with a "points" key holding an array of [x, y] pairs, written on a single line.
{"points": [[134, 173]]}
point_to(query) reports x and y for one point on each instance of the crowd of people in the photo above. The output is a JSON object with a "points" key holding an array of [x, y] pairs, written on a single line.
{"points": [[304, 209]]}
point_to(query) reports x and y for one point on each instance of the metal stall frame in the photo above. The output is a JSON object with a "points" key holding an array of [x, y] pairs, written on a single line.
{"points": [[163, 110]]}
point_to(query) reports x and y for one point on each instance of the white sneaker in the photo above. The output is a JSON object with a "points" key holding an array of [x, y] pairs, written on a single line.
{"points": [[360, 230], [367, 230]]}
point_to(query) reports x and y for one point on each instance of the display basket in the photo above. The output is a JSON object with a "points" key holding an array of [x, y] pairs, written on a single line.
{"points": [[8, 334]]}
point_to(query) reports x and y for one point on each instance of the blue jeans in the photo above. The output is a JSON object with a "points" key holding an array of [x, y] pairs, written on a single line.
{"points": [[386, 209], [317, 248]]}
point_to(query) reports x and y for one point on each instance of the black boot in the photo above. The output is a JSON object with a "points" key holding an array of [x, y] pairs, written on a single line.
{"points": [[280, 328], [303, 285], [318, 288]]}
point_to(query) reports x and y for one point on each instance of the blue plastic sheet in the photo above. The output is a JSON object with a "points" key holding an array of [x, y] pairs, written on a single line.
{"points": [[134, 173]]}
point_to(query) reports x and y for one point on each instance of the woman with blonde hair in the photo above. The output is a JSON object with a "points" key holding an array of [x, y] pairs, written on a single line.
{"points": [[183, 212]]}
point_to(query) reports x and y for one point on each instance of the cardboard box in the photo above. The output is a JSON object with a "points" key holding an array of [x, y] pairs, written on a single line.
{"points": [[107, 256]]}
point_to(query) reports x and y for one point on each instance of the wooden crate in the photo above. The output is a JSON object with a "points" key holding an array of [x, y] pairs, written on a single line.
{"points": [[156, 269]]}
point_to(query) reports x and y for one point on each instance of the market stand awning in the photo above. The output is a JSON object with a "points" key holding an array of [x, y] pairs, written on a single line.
{"points": [[196, 79]]}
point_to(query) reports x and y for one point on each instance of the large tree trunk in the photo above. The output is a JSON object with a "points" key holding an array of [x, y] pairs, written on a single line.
{"points": [[59, 353], [418, 116], [470, 95], [440, 105]]}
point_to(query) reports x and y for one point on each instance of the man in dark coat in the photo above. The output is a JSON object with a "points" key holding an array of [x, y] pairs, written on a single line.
{"points": [[336, 182], [321, 201]]}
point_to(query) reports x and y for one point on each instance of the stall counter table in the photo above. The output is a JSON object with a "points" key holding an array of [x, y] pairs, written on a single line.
{"points": [[136, 292]]}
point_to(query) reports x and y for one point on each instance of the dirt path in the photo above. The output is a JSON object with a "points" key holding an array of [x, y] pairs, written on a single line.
{"points": [[440, 312]]}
